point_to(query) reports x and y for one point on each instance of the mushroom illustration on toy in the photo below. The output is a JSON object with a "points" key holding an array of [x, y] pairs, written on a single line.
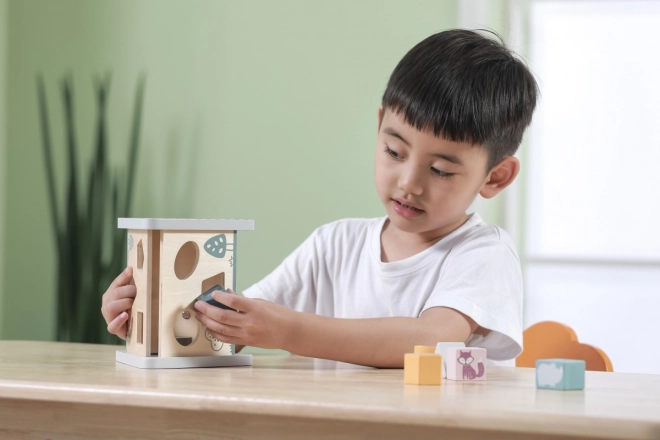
{"points": [[176, 262]]}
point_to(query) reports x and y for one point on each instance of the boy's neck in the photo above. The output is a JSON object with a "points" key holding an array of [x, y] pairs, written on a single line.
{"points": [[397, 245]]}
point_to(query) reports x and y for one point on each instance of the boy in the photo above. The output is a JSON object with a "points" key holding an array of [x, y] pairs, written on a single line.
{"points": [[365, 291]]}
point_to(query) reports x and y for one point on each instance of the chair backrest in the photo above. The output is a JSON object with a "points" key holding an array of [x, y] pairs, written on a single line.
{"points": [[548, 339]]}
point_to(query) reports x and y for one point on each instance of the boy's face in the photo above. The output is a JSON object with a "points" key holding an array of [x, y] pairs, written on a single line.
{"points": [[425, 182]]}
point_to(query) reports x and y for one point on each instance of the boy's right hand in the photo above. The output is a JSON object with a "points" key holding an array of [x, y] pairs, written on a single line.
{"points": [[117, 301]]}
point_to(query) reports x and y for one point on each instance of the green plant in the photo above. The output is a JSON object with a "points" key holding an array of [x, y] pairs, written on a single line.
{"points": [[90, 248]]}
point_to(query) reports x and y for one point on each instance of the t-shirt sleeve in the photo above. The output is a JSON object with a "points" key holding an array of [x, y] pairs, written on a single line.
{"points": [[292, 283], [482, 279]]}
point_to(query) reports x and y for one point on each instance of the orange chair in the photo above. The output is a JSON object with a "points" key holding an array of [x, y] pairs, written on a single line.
{"points": [[548, 340]]}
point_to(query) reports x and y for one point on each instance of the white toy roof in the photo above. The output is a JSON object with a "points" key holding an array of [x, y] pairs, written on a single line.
{"points": [[183, 224]]}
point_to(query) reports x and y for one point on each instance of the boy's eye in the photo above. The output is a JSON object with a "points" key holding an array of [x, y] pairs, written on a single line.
{"points": [[392, 153], [441, 173]]}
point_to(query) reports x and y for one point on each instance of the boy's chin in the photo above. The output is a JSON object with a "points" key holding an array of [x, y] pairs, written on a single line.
{"points": [[420, 227], [413, 225]]}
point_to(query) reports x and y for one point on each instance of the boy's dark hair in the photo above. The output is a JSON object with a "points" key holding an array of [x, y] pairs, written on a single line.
{"points": [[465, 88]]}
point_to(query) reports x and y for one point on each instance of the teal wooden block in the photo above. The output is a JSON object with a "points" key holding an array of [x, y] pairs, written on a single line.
{"points": [[560, 374]]}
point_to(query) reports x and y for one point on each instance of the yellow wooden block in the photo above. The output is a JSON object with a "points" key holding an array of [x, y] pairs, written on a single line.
{"points": [[422, 369], [424, 349]]}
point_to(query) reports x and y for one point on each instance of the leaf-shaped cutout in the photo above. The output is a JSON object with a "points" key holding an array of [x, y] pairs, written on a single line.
{"points": [[216, 246], [129, 248]]}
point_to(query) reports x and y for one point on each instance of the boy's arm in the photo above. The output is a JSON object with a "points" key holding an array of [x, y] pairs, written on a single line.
{"points": [[376, 342]]}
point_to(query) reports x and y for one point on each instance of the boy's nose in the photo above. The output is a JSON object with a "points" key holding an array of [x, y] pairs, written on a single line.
{"points": [[410, 182]]}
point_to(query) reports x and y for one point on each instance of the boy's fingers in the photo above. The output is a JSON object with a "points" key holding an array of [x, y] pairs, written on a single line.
{"points": [[123, 278], [116, 307], [218, 314], [118, 325], [235, 293], [128, 291], [216, 327], [236, 302]]}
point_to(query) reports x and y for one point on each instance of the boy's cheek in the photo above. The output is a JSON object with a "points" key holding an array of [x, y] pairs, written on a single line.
{"points": [[381, 185]]}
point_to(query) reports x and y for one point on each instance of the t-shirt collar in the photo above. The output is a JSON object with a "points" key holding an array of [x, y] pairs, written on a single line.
{"points": [[421, 259]]}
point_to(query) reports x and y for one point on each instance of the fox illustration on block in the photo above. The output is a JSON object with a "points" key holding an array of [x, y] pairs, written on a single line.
{"points": [[466, 359], [461, 363]]}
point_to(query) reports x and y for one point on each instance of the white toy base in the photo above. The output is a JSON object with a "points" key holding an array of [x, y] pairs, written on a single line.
{"points": [[235, 360]]}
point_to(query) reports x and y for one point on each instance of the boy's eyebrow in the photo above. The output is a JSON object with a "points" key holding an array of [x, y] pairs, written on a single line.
{"points": [[392, 132], [449, 157]]}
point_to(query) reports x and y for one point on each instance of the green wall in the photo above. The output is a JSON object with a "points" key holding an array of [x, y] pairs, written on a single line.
{"points": [[3, 138], [262, 110]]}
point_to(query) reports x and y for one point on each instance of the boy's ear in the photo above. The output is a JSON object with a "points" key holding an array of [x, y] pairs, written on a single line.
{"points": [[500, 177], [380, 116]]}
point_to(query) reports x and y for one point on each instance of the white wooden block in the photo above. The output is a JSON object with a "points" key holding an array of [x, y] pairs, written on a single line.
{"points": [[560, 374], [441, 349]]}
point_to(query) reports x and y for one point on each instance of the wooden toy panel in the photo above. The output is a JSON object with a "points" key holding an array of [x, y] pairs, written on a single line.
{"points": [[138, 340], [190, 262]]}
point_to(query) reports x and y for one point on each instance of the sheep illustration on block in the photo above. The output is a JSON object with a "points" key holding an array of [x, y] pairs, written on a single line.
{"points": [[560, 374], [175, 261]]}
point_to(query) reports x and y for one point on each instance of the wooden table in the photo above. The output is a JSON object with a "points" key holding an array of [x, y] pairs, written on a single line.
{"points": [[63, 391]]}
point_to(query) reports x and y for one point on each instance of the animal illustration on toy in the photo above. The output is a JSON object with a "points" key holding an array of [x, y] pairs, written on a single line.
{"points": [[465, 358], [560, 374], [460, 363], [177, 262]]}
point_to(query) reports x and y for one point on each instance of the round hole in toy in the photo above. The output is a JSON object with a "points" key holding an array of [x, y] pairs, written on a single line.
{"points": [[186, 260], [186, 331]]}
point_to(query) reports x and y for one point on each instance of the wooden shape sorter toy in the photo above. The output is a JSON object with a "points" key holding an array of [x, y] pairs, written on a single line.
{"points": [[467, 363], [174, 261], [560, 374]]}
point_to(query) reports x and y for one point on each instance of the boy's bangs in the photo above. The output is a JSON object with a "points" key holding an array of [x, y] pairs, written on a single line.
{"points": [[443, 120], [464, 87]]}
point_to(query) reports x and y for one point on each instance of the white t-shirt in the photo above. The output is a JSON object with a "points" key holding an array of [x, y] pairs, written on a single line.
{"points": [[337, 272]]}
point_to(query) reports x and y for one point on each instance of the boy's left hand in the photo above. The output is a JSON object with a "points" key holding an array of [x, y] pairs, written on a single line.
{"points": [[257, 323]]}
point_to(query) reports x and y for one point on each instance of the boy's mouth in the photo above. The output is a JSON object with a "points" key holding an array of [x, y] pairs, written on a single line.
{"points": [[406, 210]]}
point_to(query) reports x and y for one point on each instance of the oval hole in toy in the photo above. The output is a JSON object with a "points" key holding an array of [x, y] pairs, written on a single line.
{"points": [[186, 260], [186, 331]]}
